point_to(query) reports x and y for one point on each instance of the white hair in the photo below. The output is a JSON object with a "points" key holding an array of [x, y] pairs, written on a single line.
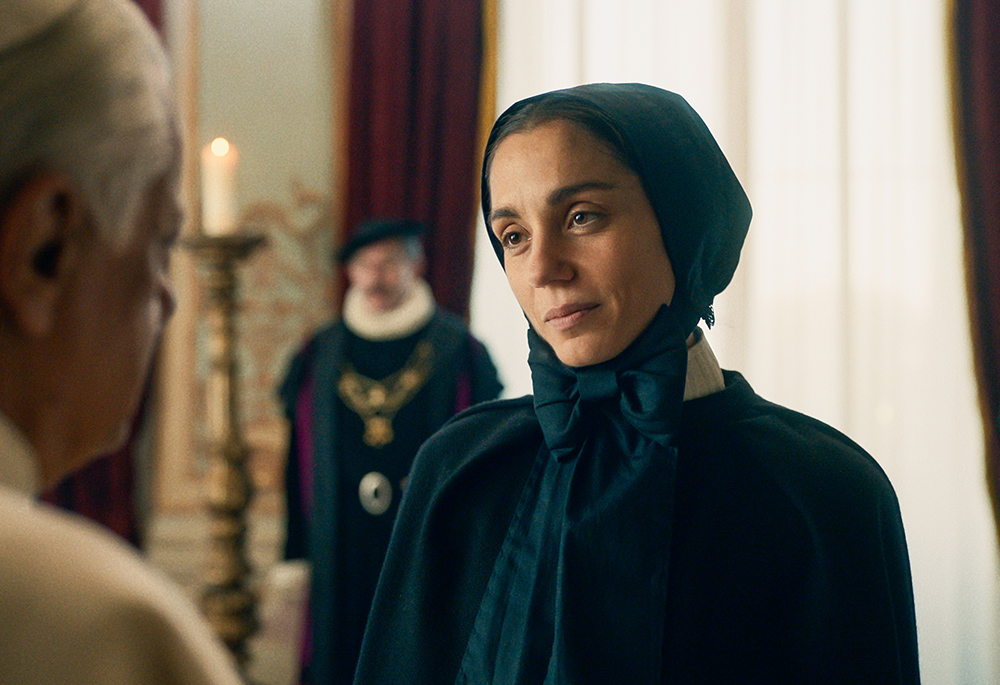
{"points": [[88, 96]]}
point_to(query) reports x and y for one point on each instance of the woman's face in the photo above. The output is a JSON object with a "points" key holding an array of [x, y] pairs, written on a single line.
{"points": [[582, 247]]}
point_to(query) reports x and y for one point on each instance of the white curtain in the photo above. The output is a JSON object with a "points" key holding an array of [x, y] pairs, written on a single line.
{"points": [[849, 301]]}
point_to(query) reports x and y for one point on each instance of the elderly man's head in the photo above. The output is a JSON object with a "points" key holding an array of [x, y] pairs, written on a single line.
{"points": [[384, 261], [86, 94], [89, 161]]}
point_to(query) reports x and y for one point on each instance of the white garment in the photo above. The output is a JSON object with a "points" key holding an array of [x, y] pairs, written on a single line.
{"points": [[21, 20], [80, 607], [704, 375]]}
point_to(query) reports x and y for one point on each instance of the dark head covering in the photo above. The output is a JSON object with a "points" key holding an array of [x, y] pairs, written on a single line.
{"points": [[374, 230], [698, 201]]}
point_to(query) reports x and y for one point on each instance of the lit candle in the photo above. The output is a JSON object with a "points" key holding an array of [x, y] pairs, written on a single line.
{"points": [[218, 187]]}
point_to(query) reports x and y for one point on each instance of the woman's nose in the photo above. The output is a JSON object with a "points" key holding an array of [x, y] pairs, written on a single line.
{"points": [[549, 261]]}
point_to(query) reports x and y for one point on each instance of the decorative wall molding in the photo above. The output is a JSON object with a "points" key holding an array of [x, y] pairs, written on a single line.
{"points": [[286, 292]]}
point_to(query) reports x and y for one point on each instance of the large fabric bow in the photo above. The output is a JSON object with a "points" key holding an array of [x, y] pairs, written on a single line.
{"points": [[647, 379], [578, 590]]}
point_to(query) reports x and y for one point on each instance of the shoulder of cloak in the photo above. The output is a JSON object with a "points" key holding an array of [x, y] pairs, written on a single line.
{"points": [[744, 453], [448, 335], [504, 430], [325, 339], [759, 434], [467, 363], [756, 483], [449, 321]]}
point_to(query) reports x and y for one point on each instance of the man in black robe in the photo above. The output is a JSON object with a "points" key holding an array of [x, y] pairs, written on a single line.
{"points": [[362, 396]]}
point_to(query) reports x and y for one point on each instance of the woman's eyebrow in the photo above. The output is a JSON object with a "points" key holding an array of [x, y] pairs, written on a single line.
{"points": [[557, 196], [503, 213], [560, 195]]}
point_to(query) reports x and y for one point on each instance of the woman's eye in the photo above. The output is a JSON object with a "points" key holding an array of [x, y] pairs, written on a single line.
{"points": [[581, 218], [511, 239]]}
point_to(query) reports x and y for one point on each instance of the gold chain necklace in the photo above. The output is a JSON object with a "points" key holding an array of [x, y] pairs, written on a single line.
{"points": [[377, 402]]}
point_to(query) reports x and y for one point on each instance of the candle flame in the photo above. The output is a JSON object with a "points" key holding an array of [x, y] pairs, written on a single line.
{"points": [[220, 146]]}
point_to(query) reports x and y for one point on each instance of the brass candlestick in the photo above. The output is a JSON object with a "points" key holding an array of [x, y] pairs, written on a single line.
{"points": [[227, 602]]}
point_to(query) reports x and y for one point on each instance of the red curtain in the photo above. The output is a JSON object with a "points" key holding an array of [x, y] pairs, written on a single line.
{"points": [[976, 31], [412, 130], [105, 490], [153, 10]]}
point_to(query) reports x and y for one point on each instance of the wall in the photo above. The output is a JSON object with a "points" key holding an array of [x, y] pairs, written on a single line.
{"points": [[262, 75]]}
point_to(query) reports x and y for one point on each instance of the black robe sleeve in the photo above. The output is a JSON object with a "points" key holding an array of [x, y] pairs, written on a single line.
{"points": [[288, 391]]}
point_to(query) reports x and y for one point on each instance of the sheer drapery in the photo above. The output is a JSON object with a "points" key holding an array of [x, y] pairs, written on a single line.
{"points": [[977, 107], [414, 113], [849, 302]]}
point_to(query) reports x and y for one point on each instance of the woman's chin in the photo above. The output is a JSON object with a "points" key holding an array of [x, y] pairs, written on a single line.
{"points": [[582, 351]]}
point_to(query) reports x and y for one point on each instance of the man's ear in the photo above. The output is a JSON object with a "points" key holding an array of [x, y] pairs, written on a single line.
{"points": [[38, 229]]}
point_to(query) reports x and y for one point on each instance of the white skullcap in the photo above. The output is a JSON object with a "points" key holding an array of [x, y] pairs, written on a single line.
{"points": [[23, 19]]}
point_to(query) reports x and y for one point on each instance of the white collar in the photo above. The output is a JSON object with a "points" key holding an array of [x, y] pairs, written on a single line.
{"points": [[704, 376], [18, 466], [400, 322]]}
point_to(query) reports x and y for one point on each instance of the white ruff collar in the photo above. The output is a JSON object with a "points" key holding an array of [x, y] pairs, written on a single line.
{"points": [[404, 320]]}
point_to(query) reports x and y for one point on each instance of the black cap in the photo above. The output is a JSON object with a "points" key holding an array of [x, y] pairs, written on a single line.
{"points": [[374, 230]]}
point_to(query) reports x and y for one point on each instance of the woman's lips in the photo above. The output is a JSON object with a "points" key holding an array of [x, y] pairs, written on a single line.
{"points": [[568, 315]]}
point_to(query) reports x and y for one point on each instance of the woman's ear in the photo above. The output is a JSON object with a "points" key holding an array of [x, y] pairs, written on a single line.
{"points": [[39, 226]]}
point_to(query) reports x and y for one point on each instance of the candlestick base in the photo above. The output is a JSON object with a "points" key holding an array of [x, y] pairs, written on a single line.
{"points": [[227, 603]]}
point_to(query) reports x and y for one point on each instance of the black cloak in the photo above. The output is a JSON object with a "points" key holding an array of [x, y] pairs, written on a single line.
{"points": [[602, 531]]}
